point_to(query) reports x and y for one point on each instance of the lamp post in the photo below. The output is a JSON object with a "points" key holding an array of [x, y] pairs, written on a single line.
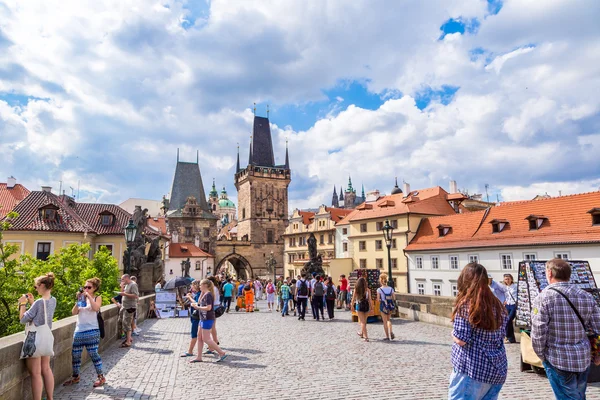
{"points": [[130, 233], [272, 264], [387, 235]]}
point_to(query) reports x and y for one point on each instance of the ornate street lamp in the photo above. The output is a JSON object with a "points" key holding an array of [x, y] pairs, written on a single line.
{"points": [[130, 232], [387, 235]]}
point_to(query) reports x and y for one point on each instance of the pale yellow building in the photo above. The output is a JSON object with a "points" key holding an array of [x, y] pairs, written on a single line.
{"points": [[361, 235], [302, 224], [48, 222]]}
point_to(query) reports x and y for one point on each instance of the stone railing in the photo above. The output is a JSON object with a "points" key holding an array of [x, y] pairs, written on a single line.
{"points": [[14, 377], [432, 309]]}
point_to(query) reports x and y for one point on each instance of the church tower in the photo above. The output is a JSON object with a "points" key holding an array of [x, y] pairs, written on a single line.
{"points": [[263, 194], [335, 200], [350, 195]]}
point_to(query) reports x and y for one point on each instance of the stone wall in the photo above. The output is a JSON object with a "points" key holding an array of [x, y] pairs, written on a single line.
{"points": [[14, 378], [431, 309]]}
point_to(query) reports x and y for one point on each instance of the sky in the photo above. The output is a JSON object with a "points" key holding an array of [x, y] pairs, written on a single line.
{"points": [[100, 95]]}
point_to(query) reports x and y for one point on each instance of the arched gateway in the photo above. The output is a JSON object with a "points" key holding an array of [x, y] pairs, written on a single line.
{"points": [[242, 266]]}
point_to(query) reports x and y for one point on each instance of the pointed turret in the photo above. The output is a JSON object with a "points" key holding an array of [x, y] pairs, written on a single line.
{"points": [[335, 201], [396, 189], [237, 168], [287, 157], [187, 182], [341, 194], [362, 195], [213, 192]]}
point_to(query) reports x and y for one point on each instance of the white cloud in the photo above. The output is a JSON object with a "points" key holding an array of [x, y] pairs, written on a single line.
{"points": [[123, 85]]}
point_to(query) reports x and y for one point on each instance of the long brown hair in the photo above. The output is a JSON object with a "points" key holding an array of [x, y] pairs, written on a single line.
{"points": [[485, 311], [361, 288]]}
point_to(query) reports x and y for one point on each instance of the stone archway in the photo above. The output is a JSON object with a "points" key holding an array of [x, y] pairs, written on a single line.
{"points": [[242, 266]]}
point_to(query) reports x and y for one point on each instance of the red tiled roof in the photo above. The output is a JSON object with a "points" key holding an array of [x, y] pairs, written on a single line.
{"points": [[90, 213], [29, 215], [431, 201], [159, 224], [568, 221], [185, 250], [307, 217], [9, 198], [78, 218], [338, 214]]}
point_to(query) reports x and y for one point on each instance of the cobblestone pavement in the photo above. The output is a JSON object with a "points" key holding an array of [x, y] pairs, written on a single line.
{"points": [[282, 358]]}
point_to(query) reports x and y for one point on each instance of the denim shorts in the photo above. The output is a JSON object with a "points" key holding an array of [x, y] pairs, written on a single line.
{"points": [[208, 324], [464, 388]]}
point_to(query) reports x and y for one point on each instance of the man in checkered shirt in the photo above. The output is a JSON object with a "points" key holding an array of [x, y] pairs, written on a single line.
{"points": [[557, 335]]}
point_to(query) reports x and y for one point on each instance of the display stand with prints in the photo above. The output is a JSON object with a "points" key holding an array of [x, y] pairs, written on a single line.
{"points": [[372, 277], [166, 304], [531, 281]]}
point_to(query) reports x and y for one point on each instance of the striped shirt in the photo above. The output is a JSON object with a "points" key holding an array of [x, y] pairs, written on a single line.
{"points": [[556, 332]]}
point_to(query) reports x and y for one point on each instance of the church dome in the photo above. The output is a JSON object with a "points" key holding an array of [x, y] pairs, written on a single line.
{"points": [[226, 203], [396, 189]]}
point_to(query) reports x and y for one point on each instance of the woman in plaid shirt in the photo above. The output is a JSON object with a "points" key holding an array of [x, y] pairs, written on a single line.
{"points": [[478, 354]]}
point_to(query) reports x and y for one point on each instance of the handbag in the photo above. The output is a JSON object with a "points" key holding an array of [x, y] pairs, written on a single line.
{"points": [[100, 323], [39, 340], [195, 315], [594, 338], [219, 310]]}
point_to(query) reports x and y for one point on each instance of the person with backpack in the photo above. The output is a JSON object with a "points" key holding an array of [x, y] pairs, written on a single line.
{"points": [[285, 296], [293, 289], [361, 300], [270, 295], [330, 296], [387, 306], [302, 296], [87, 331], [249, 296], [317, 297]]}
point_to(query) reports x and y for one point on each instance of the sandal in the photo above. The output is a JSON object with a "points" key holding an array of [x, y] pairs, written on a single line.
{"points": [[393, 336], [195, 360], [366, 339], [125, 345], [101, 381], [73, 381], [186, 355], [359, 334]]}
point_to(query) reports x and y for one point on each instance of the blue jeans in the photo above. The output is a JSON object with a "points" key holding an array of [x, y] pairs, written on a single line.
{"points": [[567, 385], [464, 388], [227, 302], [284, 310], [510, 329]]}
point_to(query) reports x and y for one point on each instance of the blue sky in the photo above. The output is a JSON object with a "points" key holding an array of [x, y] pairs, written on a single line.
{"points": [[469, 90]]}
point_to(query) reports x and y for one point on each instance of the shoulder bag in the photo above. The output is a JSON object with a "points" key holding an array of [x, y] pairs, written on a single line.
{"points": [[594, 338], [39, 341], [100, 321]]}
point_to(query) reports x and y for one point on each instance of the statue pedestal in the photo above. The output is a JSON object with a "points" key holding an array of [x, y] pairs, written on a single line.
{"points": [[150, 273]]}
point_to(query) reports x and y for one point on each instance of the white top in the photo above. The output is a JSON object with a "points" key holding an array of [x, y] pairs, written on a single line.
{"points": [[87, 319], [511, 294], [217, 296]]}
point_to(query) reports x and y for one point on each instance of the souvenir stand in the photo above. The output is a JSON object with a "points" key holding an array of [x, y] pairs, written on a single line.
{"points": [[372, 276], [166, 304], [531, 281]]}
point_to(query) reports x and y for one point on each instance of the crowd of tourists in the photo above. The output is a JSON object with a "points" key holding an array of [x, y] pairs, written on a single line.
{"points": [[562, 316]]}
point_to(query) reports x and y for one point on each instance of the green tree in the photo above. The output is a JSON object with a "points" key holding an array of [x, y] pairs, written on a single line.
{"points": [[71, 267]]}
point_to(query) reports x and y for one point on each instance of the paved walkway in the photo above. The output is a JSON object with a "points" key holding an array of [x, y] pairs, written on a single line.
{"points": [[282, 358]]}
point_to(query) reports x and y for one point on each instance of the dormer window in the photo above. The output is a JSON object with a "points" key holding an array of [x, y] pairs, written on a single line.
{"points": [[107, 219], [535, 221], [444, 230], [595, 215], [498, 225], [49, 213]]}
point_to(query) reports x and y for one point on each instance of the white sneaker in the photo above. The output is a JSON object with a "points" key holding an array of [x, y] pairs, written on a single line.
{"points": [[138, 330]]}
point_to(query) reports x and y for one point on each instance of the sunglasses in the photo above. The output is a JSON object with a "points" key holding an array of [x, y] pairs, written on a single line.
{"points": [[88, 287], [35, 287]]}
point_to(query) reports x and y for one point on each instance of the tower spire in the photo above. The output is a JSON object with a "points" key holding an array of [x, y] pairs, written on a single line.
{"points": [[335, 201], [197, 156], [237, 169], [267, 111], [287, 157], [178, 154], [363, 192]]}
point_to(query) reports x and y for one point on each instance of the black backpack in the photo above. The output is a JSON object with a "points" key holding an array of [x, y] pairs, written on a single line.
{"points": [[319, 291], [330, 293], [303, 289]]}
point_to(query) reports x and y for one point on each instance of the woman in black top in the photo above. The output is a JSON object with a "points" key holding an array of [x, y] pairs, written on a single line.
{"points": [[207, 319]]}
